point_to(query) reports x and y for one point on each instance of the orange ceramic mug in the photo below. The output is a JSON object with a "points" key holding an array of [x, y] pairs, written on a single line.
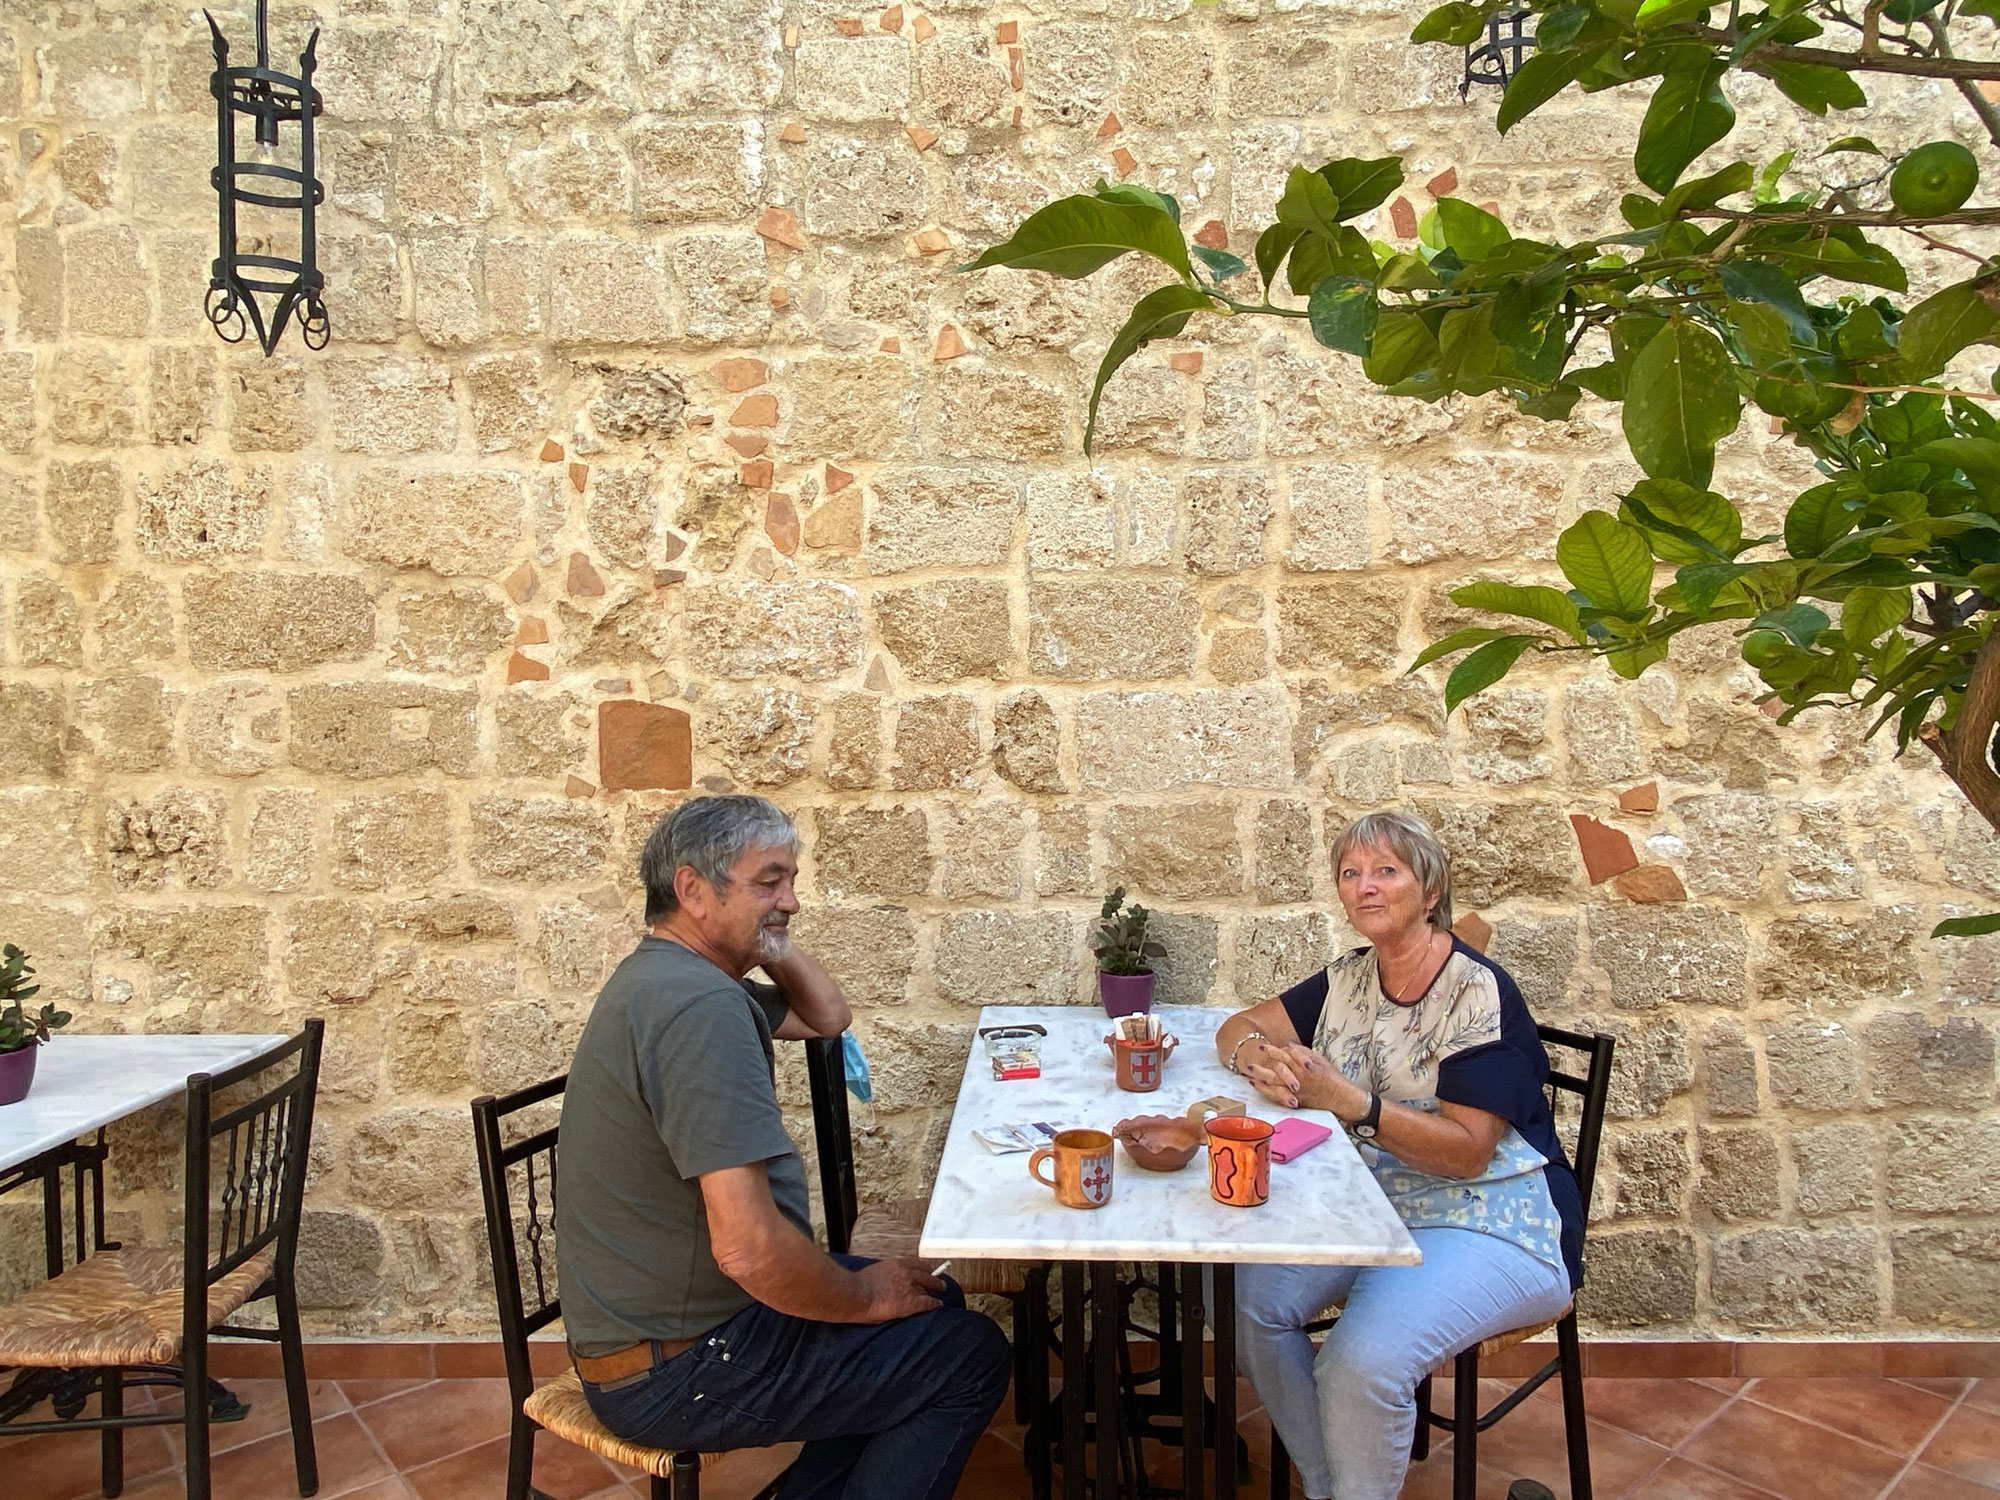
{"points": [[1083, 1168], [1239, 1160]]}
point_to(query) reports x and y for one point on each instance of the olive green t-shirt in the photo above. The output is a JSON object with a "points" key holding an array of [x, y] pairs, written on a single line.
{"points": [[673, 1077]]}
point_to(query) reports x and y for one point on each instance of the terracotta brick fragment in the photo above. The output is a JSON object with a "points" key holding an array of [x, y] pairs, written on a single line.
{"points": [[755, 411], [780, 297], [1445, 182], [892, 19], [1188, 361], [1017, 117], [664, 576], [740, 374], [1640, 799], [579, 475], [1214, 235], [1492, 206], [1402, 217], [1473, 930], [552, 451], [1110, 127], [1125, 161], [877, 680], [576, 786], [525, 669], [1651, 885], [921, 138], [642, 746], [534, 631], [781, 225], [583, 581], [933, 241], [1017, 69], [755, 475], [837, 479], [949, 344], [702, 419], [891, 345], [1607, 851], [793, 134], [781, 524], [923, 28], [1007, 33], [848, 25], [673, 547], [520, 584], [748, 444], [1771, 708]]}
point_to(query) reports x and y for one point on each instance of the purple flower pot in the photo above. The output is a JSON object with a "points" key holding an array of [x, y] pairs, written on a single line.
{"points": [[17, 1072], [1126, 994]]}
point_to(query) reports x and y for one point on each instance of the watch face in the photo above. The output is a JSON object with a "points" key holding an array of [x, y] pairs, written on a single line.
{"points": [[1366, 1132]]}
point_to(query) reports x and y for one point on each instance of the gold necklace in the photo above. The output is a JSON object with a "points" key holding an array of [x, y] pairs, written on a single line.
{"points": [[1402, 995]]}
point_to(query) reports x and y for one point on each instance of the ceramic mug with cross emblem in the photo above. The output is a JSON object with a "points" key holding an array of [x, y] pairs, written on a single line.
{"points": [[1083, 1168], [1141, 1065], [1239, 1160]]}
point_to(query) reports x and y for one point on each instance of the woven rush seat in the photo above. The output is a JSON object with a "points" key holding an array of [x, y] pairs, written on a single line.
{"points": [[1519, 1335], [560, 1407], [119, 1307], [892, 1230]]}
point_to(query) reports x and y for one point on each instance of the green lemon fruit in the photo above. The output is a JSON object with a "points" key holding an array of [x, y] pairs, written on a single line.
{"points": [[1762, 647], [1934, 179]]}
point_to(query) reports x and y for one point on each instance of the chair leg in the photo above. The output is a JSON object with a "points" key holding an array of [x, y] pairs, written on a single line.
{"points": [[298, 1396], [1575, 1426], [1465, 1425], [1420, 1440], [687, 1478], [1023, 1371], [1281, 1468], [111, 1403], [520, 1456]]}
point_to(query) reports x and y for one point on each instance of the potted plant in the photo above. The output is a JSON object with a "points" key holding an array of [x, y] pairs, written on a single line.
{"points": [[1124, 975], [22, 1031]]}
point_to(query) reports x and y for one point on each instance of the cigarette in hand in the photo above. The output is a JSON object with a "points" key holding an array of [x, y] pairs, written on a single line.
{"points": [[940, 1268]]}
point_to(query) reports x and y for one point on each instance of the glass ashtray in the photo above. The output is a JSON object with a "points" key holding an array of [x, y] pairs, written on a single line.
{"points": [[1015, 1051]]}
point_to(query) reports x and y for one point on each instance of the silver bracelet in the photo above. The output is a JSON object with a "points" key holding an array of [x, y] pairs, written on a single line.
{"points": [[1251, 1036]]}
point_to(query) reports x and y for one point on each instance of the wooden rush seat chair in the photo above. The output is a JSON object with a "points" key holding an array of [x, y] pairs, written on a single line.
{"points": [[131, 1315], [1466, 1421]]}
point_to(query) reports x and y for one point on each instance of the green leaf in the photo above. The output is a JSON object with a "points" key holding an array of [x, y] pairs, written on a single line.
{"points": [[1801, 622], [1140, 197], [1706, 192], [1221, 264], [1541, 78], [1160, 314], [1684, 524], [1608, 562], [1760, 281], [1978, 459], [1074, 236], [1767, 180], [1941, 325], [1680, 401], [1458, 23], [1273, 245], [1629, 661], [1405, 272], [1858, 142], [1483, 668], [1819, 518], [1990, 922], [1533, 601], [1653, 13], [1699, 583], [1688, 114], [1343, 312], [1991, 10], [1606, 381], [1458, 640], [1469, 229], [1867, 612], [1309, 203], [1404, 344], [1812, 87], [1361, 185]]}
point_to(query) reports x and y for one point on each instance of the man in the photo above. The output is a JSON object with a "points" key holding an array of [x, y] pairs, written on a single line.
{"points": [[701, 1315]]}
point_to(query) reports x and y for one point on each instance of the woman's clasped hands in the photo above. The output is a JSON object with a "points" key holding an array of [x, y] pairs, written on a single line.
{"points": [[1300, 1078]]}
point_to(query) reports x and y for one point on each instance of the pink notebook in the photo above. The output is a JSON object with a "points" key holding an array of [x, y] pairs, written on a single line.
{"points": [[1295, 1137]]}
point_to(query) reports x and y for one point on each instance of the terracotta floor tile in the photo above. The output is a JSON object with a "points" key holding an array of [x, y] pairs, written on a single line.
{"points": [[1984, 1394], [1968, 1445], [266, 1470], [1431, 1479], [562, 1470], [384, 1489], [1925, 1483], [1661, 1411], [1729, 1383], [437, 1420], [741, 1474], [1773, 1449], [269, 1413], [1896, 1417], [67, 1465], [1530, 1441], [366, 1392], [1949, 1386], [994, 1472], [1681, 1480]]}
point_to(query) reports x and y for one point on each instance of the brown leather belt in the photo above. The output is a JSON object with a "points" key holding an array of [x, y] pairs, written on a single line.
{"points": [[634, 1360]]}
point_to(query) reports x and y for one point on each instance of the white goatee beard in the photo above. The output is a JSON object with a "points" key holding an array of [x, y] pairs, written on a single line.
{"points": [[774, 944]]}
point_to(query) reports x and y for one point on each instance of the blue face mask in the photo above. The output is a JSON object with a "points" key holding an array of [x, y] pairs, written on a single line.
{"points": [[855, 1061]]}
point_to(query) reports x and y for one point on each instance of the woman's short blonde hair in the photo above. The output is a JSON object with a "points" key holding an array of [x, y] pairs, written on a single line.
{"points": [[1411, 840]]}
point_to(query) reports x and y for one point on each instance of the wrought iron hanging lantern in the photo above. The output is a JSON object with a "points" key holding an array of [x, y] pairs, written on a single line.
{"points": [[1498, 58], [237, 276]]}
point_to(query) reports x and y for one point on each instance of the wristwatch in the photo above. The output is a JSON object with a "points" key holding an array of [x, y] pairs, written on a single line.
{"points": [[1365, 1127]]}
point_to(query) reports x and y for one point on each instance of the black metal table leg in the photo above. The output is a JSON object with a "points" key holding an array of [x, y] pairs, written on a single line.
{"points": [[1105, 1336], [1073, 1390], [1036, 1316], [1194, 1391], [1225, 1381]]}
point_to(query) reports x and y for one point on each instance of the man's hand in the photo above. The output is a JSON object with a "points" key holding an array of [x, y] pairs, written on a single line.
{"points": [[899, 1289]]}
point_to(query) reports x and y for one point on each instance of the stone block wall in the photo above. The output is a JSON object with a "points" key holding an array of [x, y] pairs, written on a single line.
{"points": [[659, 444]]}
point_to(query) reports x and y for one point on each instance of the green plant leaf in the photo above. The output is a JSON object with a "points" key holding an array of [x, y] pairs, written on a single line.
{"points": [[1343, 313], [1867, 612], [1688, 114], [1483, 668], [1683, 524], [1273, 245], [1680, 401], [1699, 583], [1772, 285], [1458, 23], [1403, 345], [1309, 203], [1803, 623], [1532, 601], [1458, 640], [1469, 229], [1969, 926], [1978, 459], [1074, 236], [1766, 192], [1221, 264], [1812, 87], [1941, 325], [1160, 314], [1140, 197], [1541, 78], [1706, 192], [1361, 185], [1819, 518], [1652, 13], [1858, 142], [1609, 563]]}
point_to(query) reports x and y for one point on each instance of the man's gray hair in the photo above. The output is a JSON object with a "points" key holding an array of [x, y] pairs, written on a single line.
{"points": [[1410, 839], [708, 835]]}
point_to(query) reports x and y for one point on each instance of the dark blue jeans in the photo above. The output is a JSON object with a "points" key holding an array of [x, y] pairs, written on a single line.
{"points": [[887, 1411]]}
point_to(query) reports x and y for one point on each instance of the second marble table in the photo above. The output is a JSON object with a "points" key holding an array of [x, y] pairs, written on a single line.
{"points": [[1324, 1209]]}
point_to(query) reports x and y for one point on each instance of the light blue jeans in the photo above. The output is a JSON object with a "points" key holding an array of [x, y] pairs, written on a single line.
{"points": [[1349, 1414]]}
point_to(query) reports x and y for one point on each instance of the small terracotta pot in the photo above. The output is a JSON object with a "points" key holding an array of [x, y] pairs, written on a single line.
{"points": [[1141, 1065], [1125, 994], [17, 1074]]}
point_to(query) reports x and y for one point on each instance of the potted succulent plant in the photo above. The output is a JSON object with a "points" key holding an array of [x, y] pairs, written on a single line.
{"points": [[22, 1031], [1124, 973]]}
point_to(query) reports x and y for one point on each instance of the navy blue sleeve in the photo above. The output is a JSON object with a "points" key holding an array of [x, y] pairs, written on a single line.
{"points": [[1303, 1003]]}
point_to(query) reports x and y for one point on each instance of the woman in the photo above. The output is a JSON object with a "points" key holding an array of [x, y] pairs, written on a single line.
{"points": [[1425, 1050]]}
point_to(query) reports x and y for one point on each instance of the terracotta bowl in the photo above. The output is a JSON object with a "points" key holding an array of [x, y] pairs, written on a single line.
{"points": [[1159, 1143]]}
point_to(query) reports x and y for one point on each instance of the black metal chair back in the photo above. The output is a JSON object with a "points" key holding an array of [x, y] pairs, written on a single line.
{"points": [[1591, 1087]]}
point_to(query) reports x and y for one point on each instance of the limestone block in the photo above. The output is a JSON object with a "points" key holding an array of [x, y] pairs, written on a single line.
{"points": [[182, 399], [848, 188], [871, 951], [20, 526], [1062, 852], [95, 74], [539, 839], [45, 843], [915, 1063], [1071, 69], [355, 168], [1835, 1165], [851, 406], [365, 281], [399, 840], [205, 960], [1912, 1062], [194, 512], [441, 180], [1277, 950], [17, 399], [1191, 854], [88, 167], [339, 1260], [1728, 1071], [515, 275], [608, 291], [1653, 1172], [1940, 1165], [1603, 746], [389, 75], [711, 57], [391, 405], [522, 1043], [1670, 955], [582, 175], [330, 951], [637, 404], [1005, 958], [127, 721], [1815, 1065], [364, 729], [577, 946], [33, 751], [993, 413], [689, 173], [1228, 512], [854, 748], [530, 59], [1111, 628], [1798, 1278], [449, 521], [235, 727], [869, 851], [1393, 76], [982, 848], [1730, 836], [38, 273], [281, 851], [94, 404], [269, 408], [1072, 524], [411, 1157], [1160, 741], [1640, 1278], [1168, 79], [444, 275], [1946, 1277], [1741, 748], [852, 80], [947, 630], [535, 736], [762, 736], [937, 743], [82, 501], [48, 624], [622, 514], [1284, 72], [1739, 1172], [451, 918], [809, 629], [1350, 625], [1652, 1063], [280, 622], [925, 517], [963, 82], [1027, 743], [1820, 961], [1469, 505], [1283, 853], [107, 296], [1500, 850], [725, 287], [1330, 524], [452, 630]]}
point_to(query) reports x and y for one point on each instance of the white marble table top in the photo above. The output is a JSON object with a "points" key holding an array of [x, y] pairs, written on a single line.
{"points": [[82, 1082], [1325, 1208]]}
